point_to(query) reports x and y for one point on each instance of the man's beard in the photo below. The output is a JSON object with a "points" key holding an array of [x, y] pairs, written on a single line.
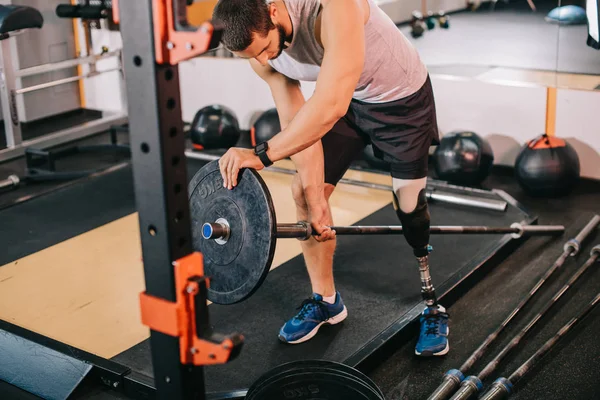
{"points": [[281, 47]]}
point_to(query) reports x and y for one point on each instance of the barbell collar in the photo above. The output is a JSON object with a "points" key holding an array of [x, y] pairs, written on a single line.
{"points": [[301, 230], [573, 246], [10, 182], [219, 231]]}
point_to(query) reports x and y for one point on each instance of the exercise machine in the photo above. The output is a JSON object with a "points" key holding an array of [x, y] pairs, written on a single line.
{"points": [[17, 20]]}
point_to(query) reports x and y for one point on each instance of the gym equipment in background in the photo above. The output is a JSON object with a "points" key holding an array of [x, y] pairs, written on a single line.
{"points": [[41, 165], [89, 10], [265, 127], [419, 22], [593, 17], [567, 15], [463, 157], [547, 166], [21, 113], [214, 127]]}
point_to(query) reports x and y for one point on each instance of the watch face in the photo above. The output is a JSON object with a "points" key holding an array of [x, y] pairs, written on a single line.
{"points": [[261, 147]]}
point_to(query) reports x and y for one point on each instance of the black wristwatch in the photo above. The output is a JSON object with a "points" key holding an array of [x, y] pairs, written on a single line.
{"points": [[261, 151]]}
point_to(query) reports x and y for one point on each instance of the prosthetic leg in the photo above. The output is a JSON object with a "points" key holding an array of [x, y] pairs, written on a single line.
{"points": [[433, 338]]}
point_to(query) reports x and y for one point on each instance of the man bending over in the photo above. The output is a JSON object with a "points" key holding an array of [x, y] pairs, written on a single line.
{"points": [[371, 87]]}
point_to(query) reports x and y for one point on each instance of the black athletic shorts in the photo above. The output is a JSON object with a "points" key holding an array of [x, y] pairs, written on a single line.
{"points": [[400, 131]]}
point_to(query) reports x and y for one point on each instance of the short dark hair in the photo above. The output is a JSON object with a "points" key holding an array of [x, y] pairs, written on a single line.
{"points": [[239, 19]]}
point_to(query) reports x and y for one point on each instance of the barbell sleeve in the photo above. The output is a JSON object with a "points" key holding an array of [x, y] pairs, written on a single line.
{"points": [[11, 182], [572, 246], [302, 230]]}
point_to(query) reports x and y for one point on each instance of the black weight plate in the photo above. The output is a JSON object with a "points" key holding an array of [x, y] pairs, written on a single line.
{"points": [[237, 268], [313, 385], [314, 380], [332, 366], [360, 386], [354, 372]]}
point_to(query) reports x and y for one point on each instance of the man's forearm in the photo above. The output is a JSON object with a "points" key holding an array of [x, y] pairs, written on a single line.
{"points": [[309, 125]]}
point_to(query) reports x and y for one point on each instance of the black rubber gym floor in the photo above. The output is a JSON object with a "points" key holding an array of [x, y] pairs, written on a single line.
{"points": [[570, 371], [379, 280]]}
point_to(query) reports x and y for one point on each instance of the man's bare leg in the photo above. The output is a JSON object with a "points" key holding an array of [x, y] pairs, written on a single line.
{"points": [[318, 256], [325, 306]]}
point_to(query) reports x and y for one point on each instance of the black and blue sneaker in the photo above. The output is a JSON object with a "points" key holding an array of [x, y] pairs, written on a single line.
{"points": [[433, 339], [313, 313]]}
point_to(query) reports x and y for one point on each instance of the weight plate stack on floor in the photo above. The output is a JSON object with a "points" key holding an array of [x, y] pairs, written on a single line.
{"points": [[314, 380]]}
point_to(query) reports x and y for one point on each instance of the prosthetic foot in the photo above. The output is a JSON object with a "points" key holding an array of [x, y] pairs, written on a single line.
{"points": [[433, 336]]}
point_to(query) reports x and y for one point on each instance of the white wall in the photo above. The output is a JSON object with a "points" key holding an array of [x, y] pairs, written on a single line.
{"points": [[577, 122], [227, 81]]}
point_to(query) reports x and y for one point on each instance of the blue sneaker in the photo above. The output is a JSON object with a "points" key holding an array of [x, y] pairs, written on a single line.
{"points": [[433, 339], [313, 313]]}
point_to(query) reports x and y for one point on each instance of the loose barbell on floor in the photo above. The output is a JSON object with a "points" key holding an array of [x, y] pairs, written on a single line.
{"points": [[433, 192], [242, 227]]}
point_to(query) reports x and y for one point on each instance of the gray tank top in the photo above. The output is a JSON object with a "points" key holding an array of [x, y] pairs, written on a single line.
{"points": [[392, 68]]}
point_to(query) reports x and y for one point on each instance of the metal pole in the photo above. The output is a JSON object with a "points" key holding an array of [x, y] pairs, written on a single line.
{"points": [[502, 388], [10, 182], [157, 140], [433, 193], [40, 69], [63, 81], [473, 384], [454, 377]]}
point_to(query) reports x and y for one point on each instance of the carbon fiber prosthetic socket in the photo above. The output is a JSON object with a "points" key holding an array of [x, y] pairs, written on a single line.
{"points": [[416, 225]]}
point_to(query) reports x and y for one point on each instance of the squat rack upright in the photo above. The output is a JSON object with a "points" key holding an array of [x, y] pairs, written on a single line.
{"points": [[156, 37]]}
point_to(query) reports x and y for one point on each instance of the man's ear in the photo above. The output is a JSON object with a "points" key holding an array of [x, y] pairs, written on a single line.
{"points": [[273, 12]]}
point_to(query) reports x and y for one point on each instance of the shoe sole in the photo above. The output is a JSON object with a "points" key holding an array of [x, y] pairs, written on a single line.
{"points": [[331, 321], [439, 353]]}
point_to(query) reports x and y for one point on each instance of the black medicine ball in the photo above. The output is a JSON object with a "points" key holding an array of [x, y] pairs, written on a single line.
{"points": [[547, 166], [265, 127], [463, 157], [214, 127]]}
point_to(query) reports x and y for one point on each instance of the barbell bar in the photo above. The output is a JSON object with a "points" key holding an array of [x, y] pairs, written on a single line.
{"points": [[220, 230]]}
